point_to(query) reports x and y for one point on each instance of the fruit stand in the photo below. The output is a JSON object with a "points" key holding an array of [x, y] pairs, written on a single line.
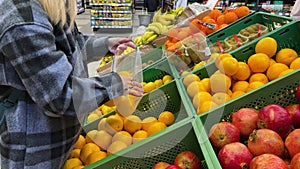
{"points": [[263, 47]]}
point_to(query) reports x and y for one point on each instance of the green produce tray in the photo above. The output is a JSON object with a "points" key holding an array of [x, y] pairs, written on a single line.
{"points": [[162, 146], [152, 56], [280, 91]]}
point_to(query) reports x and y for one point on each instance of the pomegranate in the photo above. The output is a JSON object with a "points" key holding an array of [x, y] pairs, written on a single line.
{"points": [[173, 167], [298, 93], [187, 160], [245, 120], [292, 142], [295, 162], [294, 110], [234, 156], [263, 141], [161, 165], [267, 161], [223, 133], [276, 118]]}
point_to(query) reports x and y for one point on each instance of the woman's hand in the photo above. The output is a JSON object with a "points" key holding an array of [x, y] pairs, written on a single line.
{"points": [[118, 45], [131, 86]]}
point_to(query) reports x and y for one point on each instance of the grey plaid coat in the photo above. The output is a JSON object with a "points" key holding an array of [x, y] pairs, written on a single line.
{"points": [[47, 62]]}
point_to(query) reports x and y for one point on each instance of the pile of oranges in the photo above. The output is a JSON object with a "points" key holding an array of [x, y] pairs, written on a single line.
{"points": [[115, 133], [235, 78]]}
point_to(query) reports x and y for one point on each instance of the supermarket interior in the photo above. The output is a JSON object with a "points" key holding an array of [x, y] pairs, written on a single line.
{"points": [[221, 86]]}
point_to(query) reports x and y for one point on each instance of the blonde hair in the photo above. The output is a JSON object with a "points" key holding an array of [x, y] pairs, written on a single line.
{"points": [[58, 11]]}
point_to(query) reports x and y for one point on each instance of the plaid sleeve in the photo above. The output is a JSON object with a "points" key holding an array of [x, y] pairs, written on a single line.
{"points": [[46, 72]]}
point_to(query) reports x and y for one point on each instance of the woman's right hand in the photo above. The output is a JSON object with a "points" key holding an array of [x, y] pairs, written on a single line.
{"points": [[132, 86]]}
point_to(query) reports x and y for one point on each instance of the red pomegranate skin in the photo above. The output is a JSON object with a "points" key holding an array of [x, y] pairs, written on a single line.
{"points": [[223, 133], [276, 118], [234, 156], [295, 162], [264, 141], [267, 161], [245, 119], [294, 111], [292, 142]]}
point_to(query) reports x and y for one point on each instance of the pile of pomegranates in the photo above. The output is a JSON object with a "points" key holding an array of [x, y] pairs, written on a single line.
{"points": [[268, 138]]}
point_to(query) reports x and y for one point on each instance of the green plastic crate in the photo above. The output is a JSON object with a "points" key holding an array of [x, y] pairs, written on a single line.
{"points": [[152, 56], [163, 146]]}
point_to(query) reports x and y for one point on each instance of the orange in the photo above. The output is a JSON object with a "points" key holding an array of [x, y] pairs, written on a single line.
{"points": [[206, 84], [242, 11], [75, 153], [92, 117], [219, 82], [146, 122], [220, 98], [125, 105], [123, 136], [71, 163], [221, 20], [188, 79], [166, 117], [243, 72], [258, 77], [240, 86], [90, 136], [156, 127], [237, 94], [167, 78], [87, 150], [221, 57], [102, 139], [110, 103], [267, 45], [295, 64], [254, 85], [132, 124], [158, 83], [115, 147], [272, 61], [194, 88], [115, 122], [103, 125], [206, 106], [274, 70], [106, 109], [230, 17], [215, 13], [200, 98], [223, 25], [149, 87], [286, 56], [205, 18], [258, 62], [80, 142], [229, 66], [95, 156], [139, 135], [285, 72]]}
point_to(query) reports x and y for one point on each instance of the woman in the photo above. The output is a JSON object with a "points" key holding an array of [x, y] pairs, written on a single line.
{"points": [[43, 55]]}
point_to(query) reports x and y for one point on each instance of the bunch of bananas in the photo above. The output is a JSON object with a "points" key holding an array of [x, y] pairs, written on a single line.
{"points": [[161, 23]]}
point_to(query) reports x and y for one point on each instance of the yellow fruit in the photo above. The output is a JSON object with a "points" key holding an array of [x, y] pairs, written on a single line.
{"points": [[220, 57], [194, 88], [115, 122], [286, 56], [92, 117], [229, 66], [158, 83], [95, 156], [240, 86], [125, 105], [167, 78], [87, 149], [78, 167], [243, 72], [213, 57], [115, 147], [254, 85], [90, 136], [125, 73], [258, 77], [148, 121], [102, 139], [149, 87], [156, 127], [71, 163], [110, 103], [123, 136], [166, 117], [189, 79], [295, 64], [206, 84], [285, 72], [198, 65], [139, 135], [219, 82], [267, 46], [272, 61], [200, 98], [184, 73], [274, 70], [132, 124], [106, 109], [103, 125], [80, 142], [206, 106], [220, 98], [258, 62], [75, 153], [237, 94]]}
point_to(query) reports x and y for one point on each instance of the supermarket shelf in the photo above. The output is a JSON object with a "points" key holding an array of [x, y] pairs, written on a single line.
{"points": [[111, 4]]}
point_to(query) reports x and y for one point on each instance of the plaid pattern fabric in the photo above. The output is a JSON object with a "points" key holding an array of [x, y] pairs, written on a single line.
{"points": [[47, 62]]}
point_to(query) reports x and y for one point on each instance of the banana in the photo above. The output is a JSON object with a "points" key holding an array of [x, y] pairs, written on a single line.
{"points": [[164, 21], [158, 25], [146, 35], [156, 15], [153, 28], [138, 39], [151, 38], [169, 17]]}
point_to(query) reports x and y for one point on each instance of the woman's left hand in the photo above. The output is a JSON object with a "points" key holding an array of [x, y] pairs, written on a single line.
{"points": [[118, 45]]}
